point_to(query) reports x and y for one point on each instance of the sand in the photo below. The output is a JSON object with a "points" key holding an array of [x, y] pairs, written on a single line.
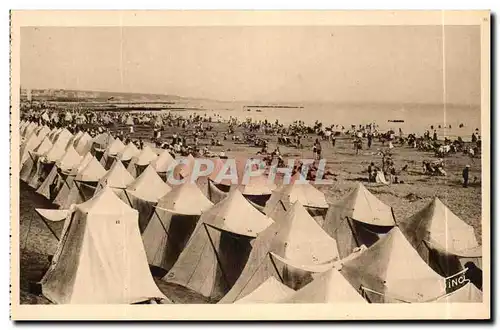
{"points": [[37, 243]]}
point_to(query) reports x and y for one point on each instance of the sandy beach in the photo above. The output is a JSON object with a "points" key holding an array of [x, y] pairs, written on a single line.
{"points": [[37, 243]]}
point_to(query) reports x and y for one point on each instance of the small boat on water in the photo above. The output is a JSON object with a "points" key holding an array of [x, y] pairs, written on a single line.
{"points": [[396, 121]]}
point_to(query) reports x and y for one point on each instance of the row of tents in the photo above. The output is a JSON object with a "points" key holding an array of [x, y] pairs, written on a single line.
{"points": [[253, 243]]}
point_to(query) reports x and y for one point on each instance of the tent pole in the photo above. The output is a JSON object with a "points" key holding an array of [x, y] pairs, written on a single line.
{"points": [[28, 232], [216, 254], [126, 195], [276, 268]]}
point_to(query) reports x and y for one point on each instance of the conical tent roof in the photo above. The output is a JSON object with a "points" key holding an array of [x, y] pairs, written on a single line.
{"points": [[258, 185], [83, 144], [43, 147], [55, 153], [76, 137], [164, 162], [44, 130], [103, 139], [235, 214], [271, 291], [185, 199], [84, 162], [63, 137], [116, 177], [53, 133], [146, 156], [115, 147], [93, 267], [28, 146], [301, 240], [391, 269], [439, 226], [300, 191], [149, 186], [469, 293], [328, 287], [92, 172], [130, 151], [361, 205], [304, 193]]}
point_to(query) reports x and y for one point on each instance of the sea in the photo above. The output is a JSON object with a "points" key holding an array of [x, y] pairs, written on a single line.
{"points": [[449, 121]]}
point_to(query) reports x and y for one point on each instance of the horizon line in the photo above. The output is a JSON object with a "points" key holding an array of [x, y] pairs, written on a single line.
{"points": [[256, 101]]}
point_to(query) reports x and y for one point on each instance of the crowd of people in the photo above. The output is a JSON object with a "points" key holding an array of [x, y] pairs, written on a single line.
{"points": [[195, 134]]}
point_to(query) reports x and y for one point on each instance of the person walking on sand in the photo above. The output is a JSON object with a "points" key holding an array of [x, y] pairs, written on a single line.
{"points": [[465, 175]]}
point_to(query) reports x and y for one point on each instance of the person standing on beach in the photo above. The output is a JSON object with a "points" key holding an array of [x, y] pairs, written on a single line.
{"points": [[465, 175], [435, 136], [370, 137]]}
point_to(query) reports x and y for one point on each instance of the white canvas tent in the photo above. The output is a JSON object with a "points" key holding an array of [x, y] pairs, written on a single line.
{"points": [[358, 219], [138, 163], [292, 250], [297, 190], [219, 247], [100, 258], [143, 194], [67, 163], [84, 184], [172, 223], [441, 238], [391, 271]]}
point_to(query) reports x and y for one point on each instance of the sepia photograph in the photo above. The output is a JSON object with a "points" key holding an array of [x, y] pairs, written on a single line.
{"points": [[308, 165]]}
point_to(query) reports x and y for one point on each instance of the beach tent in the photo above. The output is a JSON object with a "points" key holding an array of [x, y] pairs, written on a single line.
{"points": [[219, 247], [329, 287], [113, 149], [66, 163], [116, 178], [138, 163], [173, 220], [28, 145], [63, 137], [84, 184], [30, 130], [83, 144], [293, 249], [163, 164], [130, 121], [143, 194], [392, 271], [43, 131], [358, 219], [67, 177], [128, 153], [103, 140], [269, 292], [469, 293], [76, 137], [30, 165], [100, 258], [441, 238], [297, 190], [45, 164]]}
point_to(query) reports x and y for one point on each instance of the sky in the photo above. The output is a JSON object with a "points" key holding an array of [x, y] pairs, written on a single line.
{"points": [[275, 64]]}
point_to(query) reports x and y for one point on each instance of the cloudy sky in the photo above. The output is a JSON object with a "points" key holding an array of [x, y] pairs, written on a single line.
{"points": [[291, 64]]}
